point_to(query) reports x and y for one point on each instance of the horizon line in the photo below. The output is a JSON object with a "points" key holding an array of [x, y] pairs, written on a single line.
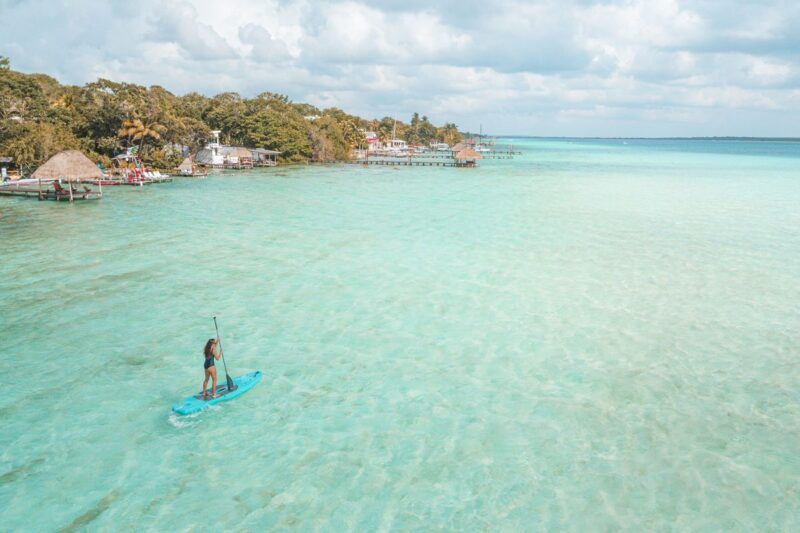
{"points": [[644, 138]]}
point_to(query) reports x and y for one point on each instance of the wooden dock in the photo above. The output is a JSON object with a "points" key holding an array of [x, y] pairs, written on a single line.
{"points": [[428, 158], [68, 195], [445, 155], [497, 156], [406, 162], [504, 154], [509, 153], [116, 180]]}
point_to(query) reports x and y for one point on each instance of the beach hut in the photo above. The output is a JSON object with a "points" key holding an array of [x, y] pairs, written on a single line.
{"points": [[70, 166], [458, 147], [467, 157], [245, 156], [265, 158], [190, 168], [237, 157], [187, 167]]}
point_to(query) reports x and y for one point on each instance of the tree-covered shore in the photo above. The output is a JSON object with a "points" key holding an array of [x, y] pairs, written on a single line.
{"points": [[39, 117]]}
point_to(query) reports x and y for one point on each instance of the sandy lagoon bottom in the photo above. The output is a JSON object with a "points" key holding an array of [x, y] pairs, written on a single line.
{"points": [[593, 336]]}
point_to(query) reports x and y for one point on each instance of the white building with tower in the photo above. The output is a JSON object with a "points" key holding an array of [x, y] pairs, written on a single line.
{"points": [[211, 155]]}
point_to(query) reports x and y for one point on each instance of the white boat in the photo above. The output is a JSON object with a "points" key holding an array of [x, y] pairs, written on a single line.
{"points": [[480, 147], [397, 146]]}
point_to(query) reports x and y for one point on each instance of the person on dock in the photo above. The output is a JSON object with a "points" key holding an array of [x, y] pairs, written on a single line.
{"points": [[210, 352]]}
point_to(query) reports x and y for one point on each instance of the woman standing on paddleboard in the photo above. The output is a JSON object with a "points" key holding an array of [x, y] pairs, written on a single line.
{"points": [[210, 353]]}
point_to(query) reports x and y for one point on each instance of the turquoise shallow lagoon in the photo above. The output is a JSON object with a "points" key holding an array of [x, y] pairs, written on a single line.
{"points": [[597, 335]]}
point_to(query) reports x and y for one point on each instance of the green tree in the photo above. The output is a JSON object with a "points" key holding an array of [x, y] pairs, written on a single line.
{"points": [[328, 141], [227, 112], [449, 134], [100, 111], [276, 124], [191, 132], [420, 130], [387, 127], [192, 105], [35, 142], [306, 110], [286, 132], [39, 116], [21, 97], [412, 132], [135, 130]]}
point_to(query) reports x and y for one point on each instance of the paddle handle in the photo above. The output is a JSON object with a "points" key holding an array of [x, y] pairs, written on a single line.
{"points": [[222, 353]]}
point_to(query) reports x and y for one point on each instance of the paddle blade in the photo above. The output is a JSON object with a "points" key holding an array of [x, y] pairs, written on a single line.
{"points": [[231, 386]]}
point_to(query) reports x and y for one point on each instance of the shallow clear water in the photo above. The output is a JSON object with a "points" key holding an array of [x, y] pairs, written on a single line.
{"points": [[596, 335]]}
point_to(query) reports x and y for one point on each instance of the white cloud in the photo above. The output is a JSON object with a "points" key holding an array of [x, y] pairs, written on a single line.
{"points": [[179, 23], [263, 45], [578, 67], [351, 33]]}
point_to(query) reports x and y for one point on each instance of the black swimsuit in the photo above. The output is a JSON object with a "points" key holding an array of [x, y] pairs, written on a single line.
{"points": [[209, 362]]}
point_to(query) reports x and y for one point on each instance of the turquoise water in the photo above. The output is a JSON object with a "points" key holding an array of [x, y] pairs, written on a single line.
{"points": [[597, 335]]}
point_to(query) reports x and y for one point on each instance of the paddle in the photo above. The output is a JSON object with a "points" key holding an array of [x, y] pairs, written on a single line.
{"points": [[222, 353]]}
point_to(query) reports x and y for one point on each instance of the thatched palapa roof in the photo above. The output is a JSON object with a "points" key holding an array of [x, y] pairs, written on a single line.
{"points": [[186, 165], [68, 165], [237, 151], [458, 147], [468, 154]]}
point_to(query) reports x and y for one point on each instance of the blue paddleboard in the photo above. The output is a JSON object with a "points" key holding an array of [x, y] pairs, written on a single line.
{"points": [[196, 403]]}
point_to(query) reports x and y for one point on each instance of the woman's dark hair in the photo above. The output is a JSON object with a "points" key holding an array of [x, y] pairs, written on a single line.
{"points": [[207, 349]]}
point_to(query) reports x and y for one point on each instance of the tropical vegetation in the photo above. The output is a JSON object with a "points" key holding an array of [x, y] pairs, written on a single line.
{"points": [[40, 116]]}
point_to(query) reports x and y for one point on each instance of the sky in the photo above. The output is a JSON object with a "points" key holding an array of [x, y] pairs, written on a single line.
{"points": [[552, 68]]}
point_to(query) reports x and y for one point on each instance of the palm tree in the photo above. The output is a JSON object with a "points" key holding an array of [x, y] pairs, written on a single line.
{"points": [[135, 130], [352, 133], [449, 133]]}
